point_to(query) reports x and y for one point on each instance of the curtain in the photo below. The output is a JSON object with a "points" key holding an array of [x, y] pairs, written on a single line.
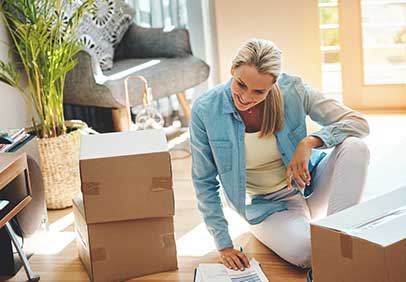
{"points": [[160, 13]]}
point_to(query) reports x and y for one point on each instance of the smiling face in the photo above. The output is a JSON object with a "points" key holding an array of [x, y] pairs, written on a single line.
{"points": [[249, 87]]}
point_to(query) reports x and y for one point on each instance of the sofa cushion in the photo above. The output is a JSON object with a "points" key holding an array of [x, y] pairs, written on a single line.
{"points": [[102, 29], [165, 76]]}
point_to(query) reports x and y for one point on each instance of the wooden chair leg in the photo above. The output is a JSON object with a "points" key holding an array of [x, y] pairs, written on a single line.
{"points": [[184, 105], [121, 119]]}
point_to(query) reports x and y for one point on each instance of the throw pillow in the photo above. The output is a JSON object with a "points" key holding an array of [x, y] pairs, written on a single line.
{"points": [[102, 29]]}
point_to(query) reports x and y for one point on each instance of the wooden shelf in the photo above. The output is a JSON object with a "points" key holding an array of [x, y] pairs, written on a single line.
{"points": [[11, 166]]}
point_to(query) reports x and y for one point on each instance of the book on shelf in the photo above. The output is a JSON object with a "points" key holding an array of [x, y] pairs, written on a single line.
{"points": [[216, 272], [9, 135], [13, 138]]}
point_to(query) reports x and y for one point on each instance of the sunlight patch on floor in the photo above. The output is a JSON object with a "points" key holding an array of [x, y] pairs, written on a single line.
{"points": [[199, 242], [62, 223], [56, 239], [51, 242]]}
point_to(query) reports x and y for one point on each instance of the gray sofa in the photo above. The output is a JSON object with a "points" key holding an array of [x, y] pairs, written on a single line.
{"points": [[165, 59]]}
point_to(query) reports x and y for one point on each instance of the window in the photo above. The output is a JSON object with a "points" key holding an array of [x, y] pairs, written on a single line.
{"points": [[330, 48], [384, 41], [160, 13]]}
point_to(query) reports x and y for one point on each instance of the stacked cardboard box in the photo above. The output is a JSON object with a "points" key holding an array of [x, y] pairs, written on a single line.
{"points": [[124, 219], [366, 242]]}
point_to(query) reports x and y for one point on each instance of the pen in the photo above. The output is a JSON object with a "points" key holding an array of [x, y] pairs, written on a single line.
{"points": [[242, 251]]}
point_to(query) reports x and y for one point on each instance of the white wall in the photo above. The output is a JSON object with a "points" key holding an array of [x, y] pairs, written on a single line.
{"points": [[13, 111], [293, 25]]}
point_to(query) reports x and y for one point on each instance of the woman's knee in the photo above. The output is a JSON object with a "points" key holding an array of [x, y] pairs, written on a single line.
{"points": [[299, 253], [288, 235], [356, 147]]}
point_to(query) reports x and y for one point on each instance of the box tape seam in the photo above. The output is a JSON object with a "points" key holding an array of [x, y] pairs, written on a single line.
{"points": [[167, 240], [161, 184], [99, 254], [91, 188], [346, 246]]}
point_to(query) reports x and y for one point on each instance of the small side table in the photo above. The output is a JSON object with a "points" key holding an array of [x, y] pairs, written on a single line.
{"points": [[13, 165]]}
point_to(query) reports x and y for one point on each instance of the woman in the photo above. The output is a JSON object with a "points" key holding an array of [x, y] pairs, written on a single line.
{"points": [[251, 133]]}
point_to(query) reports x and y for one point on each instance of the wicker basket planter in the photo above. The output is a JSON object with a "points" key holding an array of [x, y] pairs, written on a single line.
{"points": [[60, 168]]}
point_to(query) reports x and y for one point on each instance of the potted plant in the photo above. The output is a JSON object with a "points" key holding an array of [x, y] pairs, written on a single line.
{"points": [[43, 37]]}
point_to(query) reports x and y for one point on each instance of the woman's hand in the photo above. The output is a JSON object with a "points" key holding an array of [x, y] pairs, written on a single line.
{"points": [[298, 166], [233, 259]]}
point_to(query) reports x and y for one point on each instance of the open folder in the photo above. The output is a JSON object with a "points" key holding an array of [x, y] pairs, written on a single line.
{"points": [[216, 272]]}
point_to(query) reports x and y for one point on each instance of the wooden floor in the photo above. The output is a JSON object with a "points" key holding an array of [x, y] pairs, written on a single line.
{"points": [[58, 261], [64, 264]]}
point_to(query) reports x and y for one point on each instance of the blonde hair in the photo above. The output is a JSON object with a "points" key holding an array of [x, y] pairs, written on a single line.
{"points": [[266, 57]]}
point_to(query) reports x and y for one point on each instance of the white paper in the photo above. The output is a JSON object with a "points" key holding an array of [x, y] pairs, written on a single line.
{"points": [[209, 272]]}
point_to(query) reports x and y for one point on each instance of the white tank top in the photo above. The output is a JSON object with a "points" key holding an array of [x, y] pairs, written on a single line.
{"points": [[266, 172]]}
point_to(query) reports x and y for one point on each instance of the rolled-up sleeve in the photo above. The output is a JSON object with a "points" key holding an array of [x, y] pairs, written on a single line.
{"points": [[338, 121], [204, 173]]}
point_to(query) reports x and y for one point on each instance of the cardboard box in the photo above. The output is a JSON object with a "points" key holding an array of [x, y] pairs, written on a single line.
{"points": [[126, 176], [366, 242], [121, 250]]}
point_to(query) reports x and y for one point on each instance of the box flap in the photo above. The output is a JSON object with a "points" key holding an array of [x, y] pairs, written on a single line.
{"points": [[378, 220], [122, 144], [78, 202]]}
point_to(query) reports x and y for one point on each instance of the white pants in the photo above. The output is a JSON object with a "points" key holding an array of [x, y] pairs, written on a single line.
{"points": [[338, 184]]}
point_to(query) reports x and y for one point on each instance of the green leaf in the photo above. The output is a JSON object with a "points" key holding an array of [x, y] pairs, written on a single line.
{"points": [[46, 46]]}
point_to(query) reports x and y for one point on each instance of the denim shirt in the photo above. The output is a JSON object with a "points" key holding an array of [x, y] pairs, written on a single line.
{"points": [[218, 149]]}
